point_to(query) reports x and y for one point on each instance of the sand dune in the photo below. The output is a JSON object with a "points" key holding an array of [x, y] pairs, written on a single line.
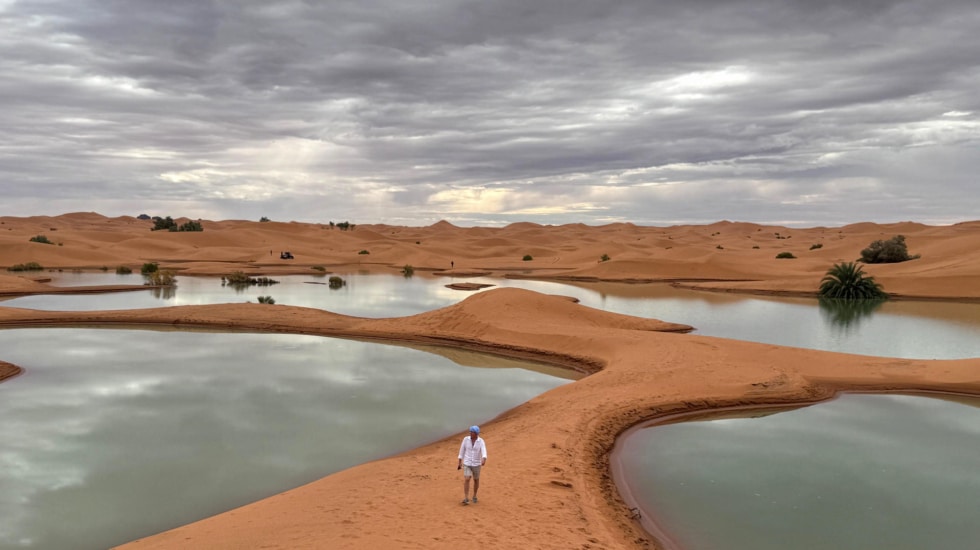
{"points": [[548, 483], [733, 256]]}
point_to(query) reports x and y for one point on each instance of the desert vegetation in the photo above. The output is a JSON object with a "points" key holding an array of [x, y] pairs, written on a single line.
{"points": [[29, 266], [785, 256], [161, 277], [40, 239], [240, 279], [168, 224], [889, 251], [847, 281], [336, 282]]}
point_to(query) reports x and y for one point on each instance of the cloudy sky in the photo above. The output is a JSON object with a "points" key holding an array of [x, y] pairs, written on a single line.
{"points": [[657, 112]]}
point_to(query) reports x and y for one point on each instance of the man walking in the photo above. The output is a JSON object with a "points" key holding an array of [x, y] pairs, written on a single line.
{"points": [[472, 457]]}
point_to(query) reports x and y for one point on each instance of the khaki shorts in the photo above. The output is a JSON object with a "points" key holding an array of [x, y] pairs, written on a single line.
{"points": [[472, 471]]}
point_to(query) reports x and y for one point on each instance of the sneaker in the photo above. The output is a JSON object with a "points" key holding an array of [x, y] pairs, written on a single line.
{"points": [[467, 501], [474, 500]]}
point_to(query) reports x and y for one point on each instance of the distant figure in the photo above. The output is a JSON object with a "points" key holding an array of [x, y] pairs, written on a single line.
{"points": [[452, 264], [472, 457]]}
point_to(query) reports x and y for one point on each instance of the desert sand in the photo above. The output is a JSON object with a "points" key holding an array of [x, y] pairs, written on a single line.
{"points": [[547, 483]]}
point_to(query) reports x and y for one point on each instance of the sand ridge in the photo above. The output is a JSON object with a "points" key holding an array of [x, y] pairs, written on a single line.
{"points": [[548, 483]]}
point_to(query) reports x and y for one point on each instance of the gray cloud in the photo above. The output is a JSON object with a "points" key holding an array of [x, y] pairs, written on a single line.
{"points": [[492, 112]]}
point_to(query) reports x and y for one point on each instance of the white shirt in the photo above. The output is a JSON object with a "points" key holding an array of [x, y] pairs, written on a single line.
{"points": [[473, 453]]}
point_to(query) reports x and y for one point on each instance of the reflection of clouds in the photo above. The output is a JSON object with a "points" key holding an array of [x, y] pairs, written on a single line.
{"points": [[167, 427], [900, 329], [885, 470]]}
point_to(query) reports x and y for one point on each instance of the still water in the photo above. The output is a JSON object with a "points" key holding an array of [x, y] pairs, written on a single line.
{"points": [[898, 329], [906, 329], [861, 472], [111, 435]]}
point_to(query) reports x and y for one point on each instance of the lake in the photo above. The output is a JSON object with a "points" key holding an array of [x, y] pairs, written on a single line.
{"points": [[860, 472], [111, 435]]}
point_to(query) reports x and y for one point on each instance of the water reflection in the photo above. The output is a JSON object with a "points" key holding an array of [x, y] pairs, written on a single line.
{"points": [[896, 328], [862, 472], [164, 293], [846, 315], [111, 435]]}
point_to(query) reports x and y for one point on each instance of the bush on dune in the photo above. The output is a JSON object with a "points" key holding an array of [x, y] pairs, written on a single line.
{"points": [[892, 251], [29, 266], [41, 239]]}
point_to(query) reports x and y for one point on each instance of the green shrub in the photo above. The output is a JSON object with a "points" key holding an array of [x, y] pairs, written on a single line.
{"points": [[408, 271], [163, 277], [236, 278], [169, 224], [40, 239], [318, 268], [892, 251], [816, 246], [756, 247], [364, 252], [604, 258], [163, 223], [847, 281], [29, 266], [263, 219], [189, 226], [149, 267], [527, 258], [785, 255], [336, 282], [123, 270], [266, 300]]}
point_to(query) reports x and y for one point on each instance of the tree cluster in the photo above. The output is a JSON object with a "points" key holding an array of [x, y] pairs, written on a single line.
{"points": [[169, 224], [889, 251]]}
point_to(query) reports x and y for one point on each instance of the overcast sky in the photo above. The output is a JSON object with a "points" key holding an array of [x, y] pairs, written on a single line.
{"points": [[657, 112]]}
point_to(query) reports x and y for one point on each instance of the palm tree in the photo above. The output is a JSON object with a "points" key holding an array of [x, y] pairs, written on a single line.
{"points": [[847, 281]]}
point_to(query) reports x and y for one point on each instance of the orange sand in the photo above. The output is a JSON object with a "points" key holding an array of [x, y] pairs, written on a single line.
{"points": [[547, 484]]}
